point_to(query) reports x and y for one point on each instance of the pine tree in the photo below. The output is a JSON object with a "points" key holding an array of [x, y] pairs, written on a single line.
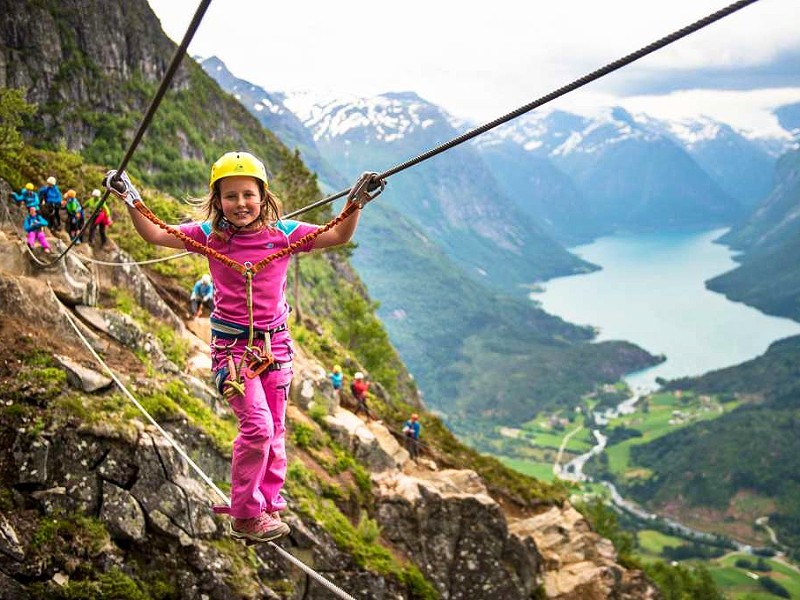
{"points": [[13, 110]]}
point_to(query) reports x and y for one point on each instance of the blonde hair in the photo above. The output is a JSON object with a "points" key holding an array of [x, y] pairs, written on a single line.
{"points": [[210, 209]]}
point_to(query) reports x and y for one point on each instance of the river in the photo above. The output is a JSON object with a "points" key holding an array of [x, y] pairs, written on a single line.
{"points": [[651, 291]]}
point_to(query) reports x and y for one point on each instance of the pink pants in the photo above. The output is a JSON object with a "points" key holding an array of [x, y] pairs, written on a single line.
{"points": [[258, 468], [38, 236]]}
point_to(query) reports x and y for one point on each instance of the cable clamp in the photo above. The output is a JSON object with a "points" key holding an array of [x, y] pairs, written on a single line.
{"points": [[366, 188]]}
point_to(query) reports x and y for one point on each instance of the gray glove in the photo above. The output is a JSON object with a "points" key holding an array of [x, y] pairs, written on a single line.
{"points": [[366, 188], [120, 185]]}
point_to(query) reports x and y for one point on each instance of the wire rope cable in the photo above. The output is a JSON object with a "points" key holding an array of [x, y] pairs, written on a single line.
{"points": [[580, 82], [200, 473], [149, 261]]}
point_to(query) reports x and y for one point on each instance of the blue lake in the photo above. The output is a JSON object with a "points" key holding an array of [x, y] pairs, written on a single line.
{"points": [[651, 292]]}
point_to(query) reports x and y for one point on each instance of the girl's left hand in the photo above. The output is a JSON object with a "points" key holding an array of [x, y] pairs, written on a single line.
{"points": [[366, 188]]}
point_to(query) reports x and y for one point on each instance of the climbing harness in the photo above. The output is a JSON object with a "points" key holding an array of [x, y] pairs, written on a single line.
{"points": [[254, 361], [217, 509]]}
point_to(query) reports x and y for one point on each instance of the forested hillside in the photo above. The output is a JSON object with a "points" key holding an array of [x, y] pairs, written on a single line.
{"points": [[96, 74], [769, 275], [751, 455]]}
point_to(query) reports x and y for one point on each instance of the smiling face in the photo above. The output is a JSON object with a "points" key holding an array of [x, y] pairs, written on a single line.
{"points": [[240, 200]]}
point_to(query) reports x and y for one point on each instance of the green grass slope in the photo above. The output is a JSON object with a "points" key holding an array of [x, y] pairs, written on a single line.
{"points": [[752, 451]]}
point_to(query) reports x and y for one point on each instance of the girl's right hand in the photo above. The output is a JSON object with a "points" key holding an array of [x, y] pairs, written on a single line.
{"points": [[120, 185], [365, 189]]}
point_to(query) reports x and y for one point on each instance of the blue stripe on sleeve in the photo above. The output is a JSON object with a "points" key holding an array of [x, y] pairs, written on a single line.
{"points": [[287, 227]]}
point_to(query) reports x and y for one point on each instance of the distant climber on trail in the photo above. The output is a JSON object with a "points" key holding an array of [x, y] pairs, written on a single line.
{"points": [[52, 201], [26, 196], [74, 215], [101, 222], [239, 227], [34, 225], [202, 295], [359, 388], [411, 430], [337, 378]]}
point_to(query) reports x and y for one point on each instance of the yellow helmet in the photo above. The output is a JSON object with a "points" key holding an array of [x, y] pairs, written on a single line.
{"points": [[238, 163], [70, 194], [337, 369], [29, 187]]}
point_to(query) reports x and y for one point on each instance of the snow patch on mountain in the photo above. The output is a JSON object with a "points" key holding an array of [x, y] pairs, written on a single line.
{"points": [[389, 117]]}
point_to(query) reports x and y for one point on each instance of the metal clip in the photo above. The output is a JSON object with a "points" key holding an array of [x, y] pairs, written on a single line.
{"points": [[257, 361], [233, 386], [366, 188]]}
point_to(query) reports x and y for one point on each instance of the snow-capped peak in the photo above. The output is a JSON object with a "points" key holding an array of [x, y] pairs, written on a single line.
{"points": [[389, 117]]}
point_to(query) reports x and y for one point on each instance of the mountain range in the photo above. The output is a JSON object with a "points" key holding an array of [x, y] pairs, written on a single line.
{"points": [[452, 267], [542, 177]]}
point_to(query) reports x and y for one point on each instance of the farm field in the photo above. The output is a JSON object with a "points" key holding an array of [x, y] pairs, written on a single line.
{"points": [[739, 584]]}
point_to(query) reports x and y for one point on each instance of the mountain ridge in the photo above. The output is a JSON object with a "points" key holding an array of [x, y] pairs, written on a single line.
{"points": [[442, 323]]}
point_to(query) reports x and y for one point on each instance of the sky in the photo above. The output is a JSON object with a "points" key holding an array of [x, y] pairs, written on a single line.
{"points": [[480, 60]]}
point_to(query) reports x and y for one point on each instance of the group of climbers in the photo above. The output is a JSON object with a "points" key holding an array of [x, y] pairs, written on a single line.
{"points": [[359, 388], [44, 210]]}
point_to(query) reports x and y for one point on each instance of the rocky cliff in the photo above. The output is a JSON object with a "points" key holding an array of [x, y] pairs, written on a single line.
{"points": [[92, 67], [97, 503]]}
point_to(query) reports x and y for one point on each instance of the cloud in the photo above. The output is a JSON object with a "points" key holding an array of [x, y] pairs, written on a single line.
{"points": [[780, 72], [479, 59]]}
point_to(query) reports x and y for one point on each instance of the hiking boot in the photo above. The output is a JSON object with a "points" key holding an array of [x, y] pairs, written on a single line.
{"points": [[263, 528]]}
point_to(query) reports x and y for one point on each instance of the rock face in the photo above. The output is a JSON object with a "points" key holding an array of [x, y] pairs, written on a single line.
{"points": [[118, 39], [577, 563], [456, 533], [82, 378], [460, 538], [372, 445]]}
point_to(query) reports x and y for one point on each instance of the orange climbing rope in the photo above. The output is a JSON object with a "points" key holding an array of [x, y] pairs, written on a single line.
{"points": [[237, 266]]}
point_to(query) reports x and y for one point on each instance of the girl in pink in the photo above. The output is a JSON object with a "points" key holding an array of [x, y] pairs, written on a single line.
{"points": [[241, 220], [34, 226]]}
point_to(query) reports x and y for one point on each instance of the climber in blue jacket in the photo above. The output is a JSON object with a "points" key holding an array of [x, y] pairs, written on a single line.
{"points": [[52, 201], [202, 295], [26, 196]]}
